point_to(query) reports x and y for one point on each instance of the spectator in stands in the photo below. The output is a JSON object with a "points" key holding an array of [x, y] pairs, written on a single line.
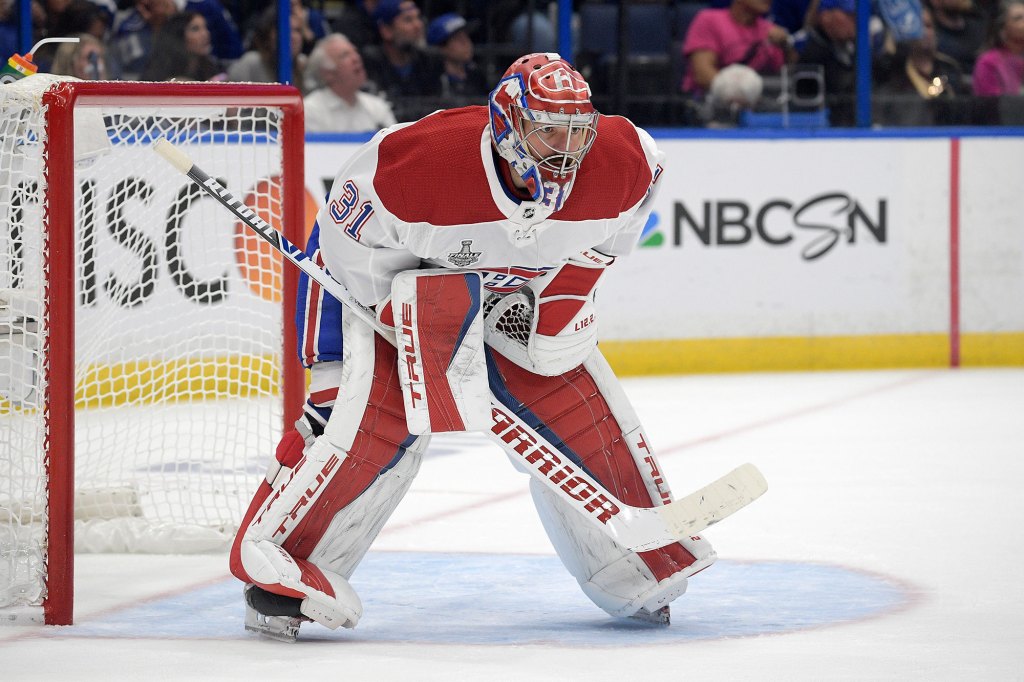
{"points": [[923, 87], [83, 16], [356, 21], [63, 18], [462, 82], [1000, 69], [312, 25], [182, 51], [85, 59], [133, 31], [959, 29], [339, 106], [259, 63], [830, 41], [51, 13], [400, 66], [225, 38], [739, 34]]}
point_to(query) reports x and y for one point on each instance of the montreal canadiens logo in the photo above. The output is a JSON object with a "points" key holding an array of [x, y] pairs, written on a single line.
{"points": [[555, 83]]}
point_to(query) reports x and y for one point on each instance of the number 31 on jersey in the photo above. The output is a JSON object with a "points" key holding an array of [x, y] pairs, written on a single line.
{"points": [[345, 213]]}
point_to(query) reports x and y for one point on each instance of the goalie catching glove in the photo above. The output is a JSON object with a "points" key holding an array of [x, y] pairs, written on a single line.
{"points": [[551, 331]]}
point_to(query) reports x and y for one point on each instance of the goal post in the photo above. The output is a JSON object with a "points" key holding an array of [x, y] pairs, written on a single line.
{"points": [[147, 350]]}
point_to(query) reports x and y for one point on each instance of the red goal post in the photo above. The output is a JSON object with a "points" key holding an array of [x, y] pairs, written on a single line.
{"points": [[127, 255]]}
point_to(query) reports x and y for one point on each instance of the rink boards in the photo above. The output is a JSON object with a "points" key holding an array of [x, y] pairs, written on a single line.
{"points": [[793, 253], [808, 252]]}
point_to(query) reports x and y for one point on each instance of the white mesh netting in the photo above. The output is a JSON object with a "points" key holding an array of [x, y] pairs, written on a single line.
{"points": [[178, 330]]}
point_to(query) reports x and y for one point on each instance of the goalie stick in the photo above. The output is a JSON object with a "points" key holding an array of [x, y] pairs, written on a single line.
{"points": [[636, 528]]}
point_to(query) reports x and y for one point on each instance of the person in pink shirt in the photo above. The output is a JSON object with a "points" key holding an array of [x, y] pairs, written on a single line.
{"points": [[738, 34], [1000, 70]]}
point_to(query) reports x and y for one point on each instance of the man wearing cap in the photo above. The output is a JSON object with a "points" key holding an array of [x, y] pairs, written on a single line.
{"points": [[461, 80], [830, 41], [339, 106], [400, 66]]}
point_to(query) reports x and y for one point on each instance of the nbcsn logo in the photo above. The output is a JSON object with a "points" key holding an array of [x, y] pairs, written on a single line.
{"points": [[651, 235]]}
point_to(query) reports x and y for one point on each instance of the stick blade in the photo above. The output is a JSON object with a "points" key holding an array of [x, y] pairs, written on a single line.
{"points": [[717, 500]]}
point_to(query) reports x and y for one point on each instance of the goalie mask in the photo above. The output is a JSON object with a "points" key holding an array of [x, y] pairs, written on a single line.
{"points": [[543, 124]]}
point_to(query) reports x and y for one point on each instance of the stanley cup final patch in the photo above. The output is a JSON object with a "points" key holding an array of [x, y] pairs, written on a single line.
{"points": [[466, 256]]}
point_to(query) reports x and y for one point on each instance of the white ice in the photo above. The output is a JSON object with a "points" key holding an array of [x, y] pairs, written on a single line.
{"points": [[912, 479]]}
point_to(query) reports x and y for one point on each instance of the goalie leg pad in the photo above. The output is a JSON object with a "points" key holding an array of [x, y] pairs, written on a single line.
{"points": [[573, 412], [286, 522], [353, 529], [617, 580]]}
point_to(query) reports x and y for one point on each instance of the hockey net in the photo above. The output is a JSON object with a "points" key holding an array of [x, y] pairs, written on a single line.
{"points": [[142, 331]]}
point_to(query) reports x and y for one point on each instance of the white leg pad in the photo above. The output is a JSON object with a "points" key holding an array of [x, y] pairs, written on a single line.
{"points": [[296, 491], [269, 564], [614, 578], [354, 528]]}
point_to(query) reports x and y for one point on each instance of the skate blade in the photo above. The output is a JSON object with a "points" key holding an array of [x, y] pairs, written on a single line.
{"points": [[662, 616], [281, 628]]}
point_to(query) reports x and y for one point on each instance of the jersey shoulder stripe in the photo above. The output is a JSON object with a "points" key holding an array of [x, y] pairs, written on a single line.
{"points": [[439, 156], [614, 176]]}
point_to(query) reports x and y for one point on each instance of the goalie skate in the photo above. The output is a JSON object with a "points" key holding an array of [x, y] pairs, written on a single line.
{"points": [[662, 616], [272, 615]]}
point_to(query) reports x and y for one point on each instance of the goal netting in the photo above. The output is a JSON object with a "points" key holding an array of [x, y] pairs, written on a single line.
{"points": [[142, 331]]}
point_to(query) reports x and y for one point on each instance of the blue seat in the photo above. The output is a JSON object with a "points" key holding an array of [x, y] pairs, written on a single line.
{"points": [[650, 29], [685, 12], [777, 119], [598, 29]]}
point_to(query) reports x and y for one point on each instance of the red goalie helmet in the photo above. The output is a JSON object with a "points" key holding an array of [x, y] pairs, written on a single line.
{"points": [[543, 124]]}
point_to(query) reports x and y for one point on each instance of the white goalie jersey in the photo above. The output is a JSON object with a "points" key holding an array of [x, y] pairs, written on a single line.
{"points": [[463, 216]]}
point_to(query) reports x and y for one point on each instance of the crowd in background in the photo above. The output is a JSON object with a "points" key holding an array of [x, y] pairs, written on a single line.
{"points": [[942, 62], [365, 64]]}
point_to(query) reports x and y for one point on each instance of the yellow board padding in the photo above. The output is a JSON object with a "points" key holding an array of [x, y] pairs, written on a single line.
{"points": [[801, 353], [155, 381], [149, 382], [992, 350]]}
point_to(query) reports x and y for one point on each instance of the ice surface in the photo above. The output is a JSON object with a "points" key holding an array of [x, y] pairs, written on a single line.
{"points": [[887, 547]]}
